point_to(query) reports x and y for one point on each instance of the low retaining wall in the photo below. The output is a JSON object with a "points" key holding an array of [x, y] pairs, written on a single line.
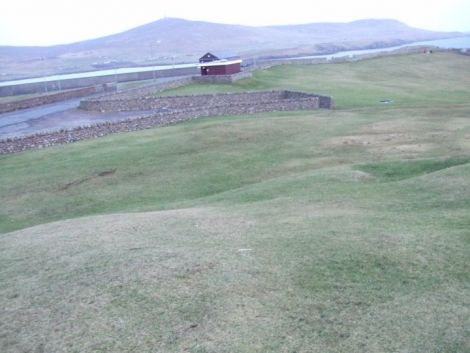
{"points": [[50, 98], [224, 79], [265, 102], [116, 103], [147, 90], [152, 88], [324, 102]]}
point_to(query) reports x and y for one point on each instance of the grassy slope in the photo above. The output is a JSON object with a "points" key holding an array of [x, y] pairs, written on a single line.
{"points": [[357, 221], [407, 80]]}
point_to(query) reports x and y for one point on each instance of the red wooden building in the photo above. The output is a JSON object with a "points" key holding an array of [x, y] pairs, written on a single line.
{"points": [[211, 64]]}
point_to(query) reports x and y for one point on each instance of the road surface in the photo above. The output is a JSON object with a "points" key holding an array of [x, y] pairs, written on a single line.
{"points": [[53, 117], [60, 115]]}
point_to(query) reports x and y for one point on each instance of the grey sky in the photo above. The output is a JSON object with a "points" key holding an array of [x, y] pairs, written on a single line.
{"points": [[47, 22]]}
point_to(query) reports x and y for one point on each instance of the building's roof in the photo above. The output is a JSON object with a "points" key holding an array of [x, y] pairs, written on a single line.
{"points": [[220, 62], [221, 55]]}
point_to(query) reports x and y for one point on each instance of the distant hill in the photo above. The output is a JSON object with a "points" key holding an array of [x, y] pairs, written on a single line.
{"points": [[177, 40]]}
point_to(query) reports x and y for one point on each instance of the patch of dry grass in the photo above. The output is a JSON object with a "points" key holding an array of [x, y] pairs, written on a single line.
{"points": [[286, 274]]}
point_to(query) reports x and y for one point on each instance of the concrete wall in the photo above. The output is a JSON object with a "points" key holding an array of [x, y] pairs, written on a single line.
{"points": [[45, 87], [50, 98]]}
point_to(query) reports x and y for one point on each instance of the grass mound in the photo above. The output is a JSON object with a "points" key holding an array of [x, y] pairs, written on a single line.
{"points": [[258, 233]]}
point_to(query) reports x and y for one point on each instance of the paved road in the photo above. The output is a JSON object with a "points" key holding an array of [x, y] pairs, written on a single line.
{"points": [[59, 115], [19, 120], [53, 117], [21, 116]]}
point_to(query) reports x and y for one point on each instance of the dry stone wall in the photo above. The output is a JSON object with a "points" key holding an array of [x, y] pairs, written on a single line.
{"points": [[225, 79], [152, 88], [147, 90], [170, 110], [118, 102], [40, 141]]}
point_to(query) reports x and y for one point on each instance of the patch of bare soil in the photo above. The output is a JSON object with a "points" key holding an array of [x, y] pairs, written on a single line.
{"points": [[299, 213], [391, 126], [408, 148], [466, 141], [84, 180], [374, 140], [456, 124], [402, 137], [107, 172]]}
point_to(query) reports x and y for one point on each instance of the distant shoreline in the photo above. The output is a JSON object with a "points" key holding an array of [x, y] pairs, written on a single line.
{"points": [[462, 42], [449, 43]]}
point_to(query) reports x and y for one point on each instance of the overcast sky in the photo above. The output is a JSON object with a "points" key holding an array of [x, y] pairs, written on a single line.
{"points": [[47, 22]]}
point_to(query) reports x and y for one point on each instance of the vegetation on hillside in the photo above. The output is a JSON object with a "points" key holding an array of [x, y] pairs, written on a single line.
{"points": [[172, 40], [322, 231]]}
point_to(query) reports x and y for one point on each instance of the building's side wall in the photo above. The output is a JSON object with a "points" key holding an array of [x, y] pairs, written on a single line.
{"points": [[215, 70], [232, 69], [221, 69]]}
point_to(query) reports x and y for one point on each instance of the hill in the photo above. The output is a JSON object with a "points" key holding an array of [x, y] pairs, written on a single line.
{"points": [[176, 40], [322, 231]]}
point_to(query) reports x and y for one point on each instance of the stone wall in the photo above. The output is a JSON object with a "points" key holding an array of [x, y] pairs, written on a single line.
{"points": [[117, 103], [168, 110], [325, 102], [152, 88], [49, 98], [147, 90], [224, 79], [219, 105]]}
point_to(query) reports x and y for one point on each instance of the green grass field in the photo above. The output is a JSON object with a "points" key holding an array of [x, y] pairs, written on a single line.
{"points": [[321, 231], [408, 80]]}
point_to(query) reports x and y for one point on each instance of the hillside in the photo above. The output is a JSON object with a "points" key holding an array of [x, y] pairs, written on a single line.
{"points": [[316, 231], [176, 40]]}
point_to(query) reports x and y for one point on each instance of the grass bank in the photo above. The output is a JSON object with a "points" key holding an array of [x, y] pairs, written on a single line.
{"points": [[324, 231]]}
